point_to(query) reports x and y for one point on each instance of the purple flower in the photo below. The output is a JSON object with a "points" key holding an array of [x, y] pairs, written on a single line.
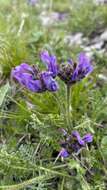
{"points": [[25, 75], [88, 138], [51, 62], [83, 68], [34, 80], [74, 142], [32, 2], [71, 72], [63, 153], [78, 138], [79, 141]]}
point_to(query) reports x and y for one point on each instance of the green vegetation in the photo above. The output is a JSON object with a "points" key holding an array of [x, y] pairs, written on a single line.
{"points": [[30, 122]]}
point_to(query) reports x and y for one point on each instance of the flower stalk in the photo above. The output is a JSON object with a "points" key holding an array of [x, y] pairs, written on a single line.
{"points": [[68, 105]]}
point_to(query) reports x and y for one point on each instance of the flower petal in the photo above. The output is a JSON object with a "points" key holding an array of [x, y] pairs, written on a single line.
{"points": [[53, 66], [49, 82], [51, 62], [87, 138], [63, 153], [83, 68], [24, 67], [83, 59], [45, 57], [34, 86], [85, 63], [24, 74], [77, 136], [21, 77]]}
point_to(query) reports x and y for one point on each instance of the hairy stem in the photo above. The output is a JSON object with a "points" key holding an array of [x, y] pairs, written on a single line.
{"points": [[68, 105]]}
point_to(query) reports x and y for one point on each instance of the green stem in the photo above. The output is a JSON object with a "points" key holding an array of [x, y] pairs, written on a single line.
{"points": [[50, 6], [68, 105]]}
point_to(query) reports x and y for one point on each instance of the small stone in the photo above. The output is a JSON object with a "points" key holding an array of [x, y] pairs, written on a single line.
{"points": [[51, 18], [74, 39], [103, 77], [100, 2], [94, 47], [103, 36], [97, 46]]}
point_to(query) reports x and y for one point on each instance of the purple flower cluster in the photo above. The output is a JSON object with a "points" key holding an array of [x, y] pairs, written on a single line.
{"points": [[32, 2], [71, 72], [73, 143], [36, 81], [31, 78]]}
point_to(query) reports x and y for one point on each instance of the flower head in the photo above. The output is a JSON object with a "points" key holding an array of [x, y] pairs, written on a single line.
{"points": [[74, 142], [71, 72], [31, 78], [88, 138]]}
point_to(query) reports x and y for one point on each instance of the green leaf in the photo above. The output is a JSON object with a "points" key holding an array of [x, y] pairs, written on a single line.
{"points": [[73, 164], [3, 91], [104, 146]]}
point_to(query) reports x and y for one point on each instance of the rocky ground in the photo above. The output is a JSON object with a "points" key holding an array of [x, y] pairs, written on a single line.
{"points": [[97, 41]]}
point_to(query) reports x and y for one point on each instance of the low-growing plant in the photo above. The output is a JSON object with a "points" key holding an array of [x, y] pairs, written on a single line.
{"points": [[53, 108]]}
